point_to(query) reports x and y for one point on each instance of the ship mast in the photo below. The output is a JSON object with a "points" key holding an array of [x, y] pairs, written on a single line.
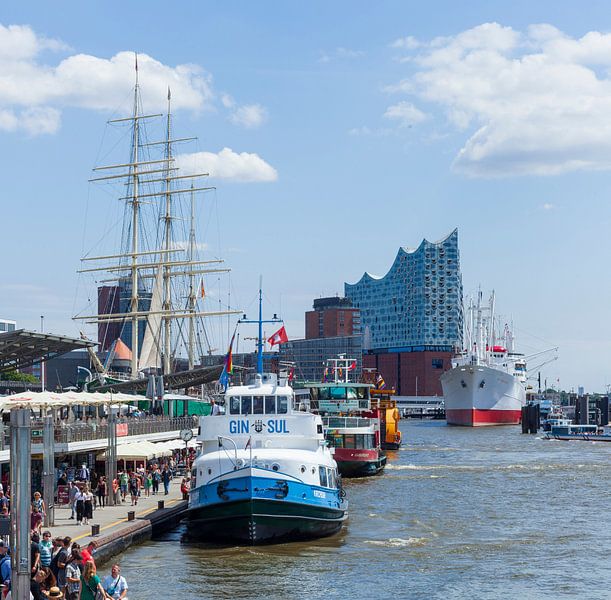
{"points": [[135, 206], [191, 348], [167, 304]]}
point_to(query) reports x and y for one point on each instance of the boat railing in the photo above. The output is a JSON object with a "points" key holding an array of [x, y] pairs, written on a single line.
{"points": [[344, 422]]}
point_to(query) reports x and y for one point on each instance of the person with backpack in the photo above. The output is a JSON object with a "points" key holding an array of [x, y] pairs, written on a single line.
{"points": [[134, 487], [61, 561]]}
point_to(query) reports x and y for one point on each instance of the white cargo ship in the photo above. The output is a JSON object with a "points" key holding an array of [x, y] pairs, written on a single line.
{"points": [[487, 382]]}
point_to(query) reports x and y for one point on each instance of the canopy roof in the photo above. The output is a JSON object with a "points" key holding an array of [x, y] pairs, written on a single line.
{"points": [[37, 400], [142, 450], [23, 348]]}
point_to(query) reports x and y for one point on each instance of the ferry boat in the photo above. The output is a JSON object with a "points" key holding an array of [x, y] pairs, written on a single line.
{"points": [[265, 473], [586, 433], [486, 384], [352, 427]]}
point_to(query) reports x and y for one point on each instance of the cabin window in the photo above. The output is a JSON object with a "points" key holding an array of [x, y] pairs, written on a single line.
{"points": [[257, 405], [362, 393], [324, 393], [351, 393], [283, 405], [270, 405], [359, 442], [369, 441], [349, 441], [246, 405], [331, 478], [322, 472], [338, 393], [234, 405]]}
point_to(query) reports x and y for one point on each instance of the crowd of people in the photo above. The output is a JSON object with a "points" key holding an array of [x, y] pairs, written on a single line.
{"points": [[61, 568]]}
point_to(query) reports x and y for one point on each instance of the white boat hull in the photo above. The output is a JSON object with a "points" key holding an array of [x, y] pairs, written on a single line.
{"points": [[479, 395]]}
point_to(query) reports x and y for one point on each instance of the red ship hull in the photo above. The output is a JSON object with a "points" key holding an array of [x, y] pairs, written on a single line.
{"points": [[474, 417]]}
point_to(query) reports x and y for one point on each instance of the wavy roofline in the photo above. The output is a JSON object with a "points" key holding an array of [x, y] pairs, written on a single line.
{"points": [[402, 250]]}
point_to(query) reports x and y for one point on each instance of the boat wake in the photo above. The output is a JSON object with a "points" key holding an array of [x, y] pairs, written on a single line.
{"points": [[498, 468], [398, 542]]}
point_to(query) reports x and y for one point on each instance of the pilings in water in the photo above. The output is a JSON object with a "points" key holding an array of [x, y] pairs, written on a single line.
{"points": [[531, 418]]}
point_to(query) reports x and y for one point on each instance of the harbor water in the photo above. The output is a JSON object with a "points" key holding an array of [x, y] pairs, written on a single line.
{"points": [[458, 513]]}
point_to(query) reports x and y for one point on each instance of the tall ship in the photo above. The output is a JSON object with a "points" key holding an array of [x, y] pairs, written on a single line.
{"points": [[352, 426], [487, 382], [265, 473], [150, 310]]}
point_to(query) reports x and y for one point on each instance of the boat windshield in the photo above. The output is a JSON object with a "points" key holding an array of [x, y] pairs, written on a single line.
{"points": [[258, 405]]}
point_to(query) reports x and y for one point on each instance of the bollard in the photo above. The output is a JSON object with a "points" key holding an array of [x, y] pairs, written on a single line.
{"points": [[95, 530], [160, 504], [131, 515]]}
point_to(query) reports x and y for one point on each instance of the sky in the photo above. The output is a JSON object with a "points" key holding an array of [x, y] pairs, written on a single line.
{"points": [[334, 133]]}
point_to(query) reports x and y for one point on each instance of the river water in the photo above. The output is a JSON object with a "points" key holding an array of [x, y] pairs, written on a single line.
{"points": [[458, 513]]}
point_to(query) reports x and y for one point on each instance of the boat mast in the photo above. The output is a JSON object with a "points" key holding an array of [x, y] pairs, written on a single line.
{"points": [[135, 209], [191, 348], [167, 301]]}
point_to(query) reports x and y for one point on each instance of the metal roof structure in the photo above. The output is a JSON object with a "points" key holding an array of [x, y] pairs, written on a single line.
{"points": [[23, 348], [171, 381]]}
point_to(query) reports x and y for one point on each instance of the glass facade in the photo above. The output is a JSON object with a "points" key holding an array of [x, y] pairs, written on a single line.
{"points": [[417, 305]]}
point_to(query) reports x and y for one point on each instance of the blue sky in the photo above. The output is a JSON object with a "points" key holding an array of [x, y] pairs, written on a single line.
{"points": [[354, 128]]}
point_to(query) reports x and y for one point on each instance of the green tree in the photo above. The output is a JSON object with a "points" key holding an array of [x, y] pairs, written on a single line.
{"points": [[14, 375]]}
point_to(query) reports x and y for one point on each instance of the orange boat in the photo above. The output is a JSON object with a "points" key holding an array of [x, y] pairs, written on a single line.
{"points": [[384, 404]]}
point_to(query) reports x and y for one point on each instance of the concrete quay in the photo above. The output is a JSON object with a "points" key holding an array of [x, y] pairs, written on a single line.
{"points": [[117, 532]]}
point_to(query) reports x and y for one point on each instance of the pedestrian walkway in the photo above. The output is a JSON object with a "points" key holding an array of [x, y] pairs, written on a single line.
{"points": [[112, 519]]}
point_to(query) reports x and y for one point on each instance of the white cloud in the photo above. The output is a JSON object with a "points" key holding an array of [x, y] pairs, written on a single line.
{"points": [[33, 91], [548, 206], [227, 164], [340, 53], [529, 103], [405, 113], [249, 116], [406, 43]]}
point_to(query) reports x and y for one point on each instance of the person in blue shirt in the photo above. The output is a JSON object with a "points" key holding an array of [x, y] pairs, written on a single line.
{"points": [[5, 564]]}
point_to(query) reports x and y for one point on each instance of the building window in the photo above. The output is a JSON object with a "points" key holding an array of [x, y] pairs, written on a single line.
{"points": [[437, 363]]}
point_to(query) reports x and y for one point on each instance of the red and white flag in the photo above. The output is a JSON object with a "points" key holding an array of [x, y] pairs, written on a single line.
{"points": [[202, 289], [352, 366], [279, 337]]}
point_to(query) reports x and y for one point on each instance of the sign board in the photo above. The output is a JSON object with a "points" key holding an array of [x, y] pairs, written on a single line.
{"points": [[36, 433], [63, 494], [121, 429]]}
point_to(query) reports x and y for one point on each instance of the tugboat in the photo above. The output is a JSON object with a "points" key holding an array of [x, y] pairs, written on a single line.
{"points": [[265, 473], [352, 427]]}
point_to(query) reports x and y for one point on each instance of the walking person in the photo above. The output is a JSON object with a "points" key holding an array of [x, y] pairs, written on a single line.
{"points": [[90, 583], [114, 584], [148, 483], [123, 481], [87, 505], [134, 488], [166, 476], [101, 492], [79, 500], [156, 479], [72, 491]]}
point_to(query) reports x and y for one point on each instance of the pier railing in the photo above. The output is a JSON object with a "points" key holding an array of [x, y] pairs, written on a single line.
{"points": [[66, 432]]}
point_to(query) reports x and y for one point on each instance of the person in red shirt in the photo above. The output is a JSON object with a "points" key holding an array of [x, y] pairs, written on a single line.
{"points": [[87, 553]]}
